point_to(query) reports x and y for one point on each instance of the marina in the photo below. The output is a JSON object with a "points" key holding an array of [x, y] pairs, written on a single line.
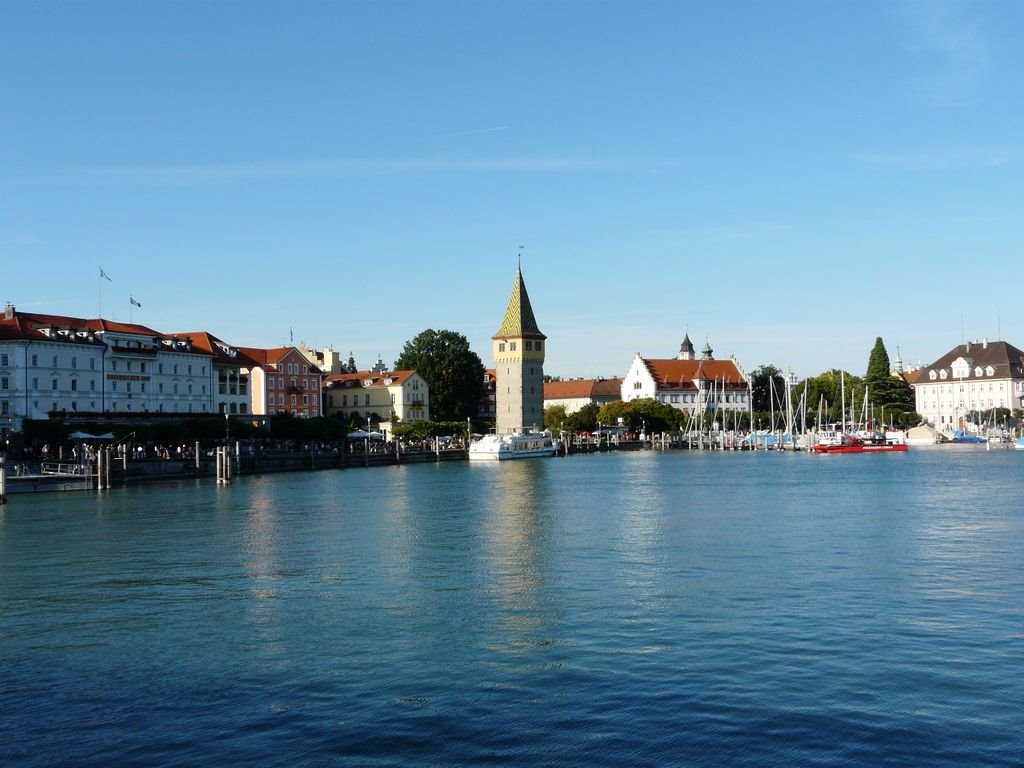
{"points": [[632, 607]]}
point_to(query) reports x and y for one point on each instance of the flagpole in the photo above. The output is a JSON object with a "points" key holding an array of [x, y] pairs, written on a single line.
{"points": [[131, 309]]}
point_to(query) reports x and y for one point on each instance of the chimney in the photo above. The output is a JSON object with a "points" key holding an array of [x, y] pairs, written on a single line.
{"points": [[9, 311], [984, 343]]}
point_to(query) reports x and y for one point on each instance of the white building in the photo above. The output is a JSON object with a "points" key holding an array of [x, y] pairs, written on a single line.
{"points": [[688, 384], [57, 364], [229, 373], [978, 376]]}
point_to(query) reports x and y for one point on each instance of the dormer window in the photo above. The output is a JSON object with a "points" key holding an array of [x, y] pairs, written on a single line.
{"points": [[978, 371], [932, 375], [942, 374], [990, 371]]}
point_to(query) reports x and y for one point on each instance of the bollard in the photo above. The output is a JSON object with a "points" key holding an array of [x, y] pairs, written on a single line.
{"points": [[3, 479]]}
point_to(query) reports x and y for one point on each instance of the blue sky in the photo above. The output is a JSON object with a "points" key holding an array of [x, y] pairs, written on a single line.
{"points": [[786, 179]]}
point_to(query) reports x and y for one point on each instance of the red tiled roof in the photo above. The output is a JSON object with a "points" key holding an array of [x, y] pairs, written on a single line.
{"points": [[204, 341], [680, 374], [27, 324], [581, 388]]}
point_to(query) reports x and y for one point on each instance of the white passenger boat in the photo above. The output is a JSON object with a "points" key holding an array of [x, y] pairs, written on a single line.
{"points": [[526, 445]]}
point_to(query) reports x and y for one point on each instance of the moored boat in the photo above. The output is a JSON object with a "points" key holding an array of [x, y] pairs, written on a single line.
{"points": [[524, 445], [841, 442]]}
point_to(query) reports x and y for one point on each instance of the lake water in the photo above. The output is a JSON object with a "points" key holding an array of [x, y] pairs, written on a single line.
{"points": [[633, 609]]}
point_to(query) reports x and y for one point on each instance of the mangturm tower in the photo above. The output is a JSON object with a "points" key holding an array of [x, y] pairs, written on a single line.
{"points": [[519, 366]]}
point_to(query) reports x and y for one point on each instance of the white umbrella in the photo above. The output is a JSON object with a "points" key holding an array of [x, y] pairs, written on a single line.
{"points": [[359, 434]]}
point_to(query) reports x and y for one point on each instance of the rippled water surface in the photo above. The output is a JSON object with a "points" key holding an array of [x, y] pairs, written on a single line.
{"points": [[638, 609]]}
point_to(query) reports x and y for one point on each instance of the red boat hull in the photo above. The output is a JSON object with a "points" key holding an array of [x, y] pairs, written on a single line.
{"points": [[861, 448]]}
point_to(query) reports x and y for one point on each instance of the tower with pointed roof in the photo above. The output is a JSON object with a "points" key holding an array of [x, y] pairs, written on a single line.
{"points": [[518, 348], [686, 351]]}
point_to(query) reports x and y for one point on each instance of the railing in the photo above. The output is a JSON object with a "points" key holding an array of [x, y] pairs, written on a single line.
{"points": [[63, 468]]}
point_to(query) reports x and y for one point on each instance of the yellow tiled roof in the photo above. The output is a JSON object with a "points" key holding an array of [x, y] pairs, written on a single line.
{"points": [[519, 320]]}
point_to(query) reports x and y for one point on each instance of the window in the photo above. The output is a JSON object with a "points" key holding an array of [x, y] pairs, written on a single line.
{"points": [[5, 383], [35, 361], [92, 363], [175, 369], [4, 407], [536, 346], [159, 367], [74, 385], [190, 370], [529, 346], [54, 361], [4, 360], [270, 382], [511, 346], [501, 346], [54, 383], [142, 367]]}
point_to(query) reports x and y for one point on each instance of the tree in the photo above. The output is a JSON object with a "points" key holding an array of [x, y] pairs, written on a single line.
{"points": [[451, 369], [826, 389], [583, 420], [555, 417], [878, 361], [886, 391], [647, 413], [766, 386]]}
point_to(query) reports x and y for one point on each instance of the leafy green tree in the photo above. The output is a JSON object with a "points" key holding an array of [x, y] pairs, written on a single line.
{"points": [[824, 391], [647, 413], [583, 420], [451, 369], [766, 385], [610, 414], [656, 415], [555, 417]]}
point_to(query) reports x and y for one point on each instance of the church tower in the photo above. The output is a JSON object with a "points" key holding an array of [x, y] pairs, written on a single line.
{"points": [[518, 348]]}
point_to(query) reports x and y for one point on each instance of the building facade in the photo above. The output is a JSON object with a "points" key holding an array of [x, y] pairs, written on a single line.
{"points": [[392, 396], [519, 348], [283, 381], [574, 394], [54, 364], [971, 379], [229, 373]]}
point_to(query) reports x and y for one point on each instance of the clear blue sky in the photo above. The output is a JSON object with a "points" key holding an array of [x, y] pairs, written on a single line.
{"points": [[788, 179]]}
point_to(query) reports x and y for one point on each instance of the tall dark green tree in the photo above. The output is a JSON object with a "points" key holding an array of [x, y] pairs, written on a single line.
{"points": [[885, 390], [451, 369]]}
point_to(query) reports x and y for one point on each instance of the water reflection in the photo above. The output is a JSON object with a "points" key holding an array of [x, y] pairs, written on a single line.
{"points": [[516, 551], [260, 560]]}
